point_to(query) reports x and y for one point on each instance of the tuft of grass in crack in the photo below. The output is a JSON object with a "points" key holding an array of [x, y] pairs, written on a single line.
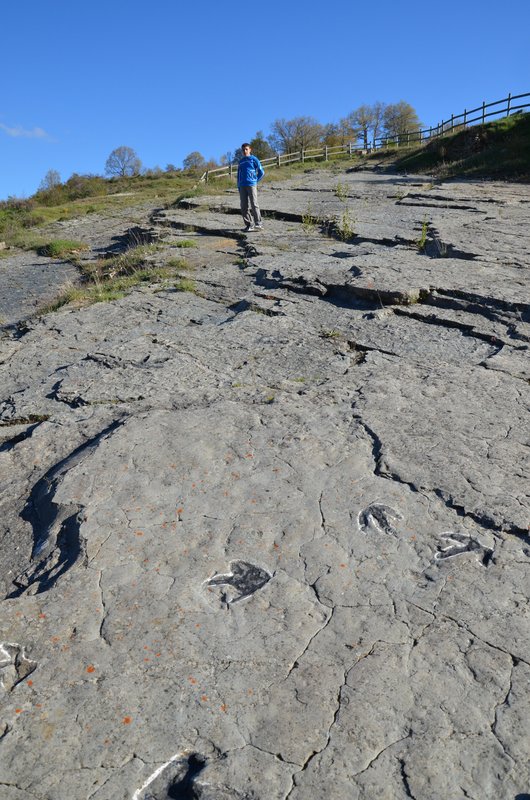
{"points": [[186, 243], [331, 334], [341, 191], [422, 241], [186, 285], [108, 279], [31, 419], [309, 221], [177, 263], [125, 264], [344, 226], [61, 248]]}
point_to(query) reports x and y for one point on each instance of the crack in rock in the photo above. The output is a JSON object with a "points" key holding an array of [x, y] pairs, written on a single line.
{"points": [[57, 543]]}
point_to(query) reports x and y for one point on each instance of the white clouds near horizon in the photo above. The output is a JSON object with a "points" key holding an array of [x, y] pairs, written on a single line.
{"points": [[19, 131]]}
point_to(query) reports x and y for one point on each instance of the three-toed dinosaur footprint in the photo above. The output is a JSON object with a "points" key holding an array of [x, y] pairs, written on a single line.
{"points": [[378, 517], [459, 543], [244, 578]]}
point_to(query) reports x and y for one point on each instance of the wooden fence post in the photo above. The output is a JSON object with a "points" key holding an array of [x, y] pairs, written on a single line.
{"points": [[508, 106], [206, 178], [279, 161], [349, 149], [326, 153], [483, 111], [230, 169], [465, 116], [452, 122], [302, 157]]}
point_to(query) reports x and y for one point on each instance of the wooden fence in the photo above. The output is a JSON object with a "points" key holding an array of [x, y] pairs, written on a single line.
{"points": [[510, 105]]}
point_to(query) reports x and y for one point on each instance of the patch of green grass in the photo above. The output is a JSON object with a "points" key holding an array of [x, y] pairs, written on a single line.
{"points": [[186, 285], [82, 296], [177, 263], [127, 263], [186, 243], [107, 290], [331, 334], [109, 279], [60, 248]]}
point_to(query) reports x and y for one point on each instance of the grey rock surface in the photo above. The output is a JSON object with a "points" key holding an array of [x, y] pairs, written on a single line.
{"points": [[269, 540]]}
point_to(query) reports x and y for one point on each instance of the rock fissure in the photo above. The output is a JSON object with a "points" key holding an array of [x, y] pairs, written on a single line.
{"points": [[57, 542], [405, 778], [102, 633], [298, 659], [504, 702], [24, 790], [316, 753], [437, 614]]}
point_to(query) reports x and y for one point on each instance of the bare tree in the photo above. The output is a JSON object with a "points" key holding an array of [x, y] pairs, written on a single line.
{"points": [[123, 161], [289, 135], [51, 180], [349, 127], [378, 111], [360, 122], [333, 134], [363, 121], [400, 119], [194, 161], [260, 146]]}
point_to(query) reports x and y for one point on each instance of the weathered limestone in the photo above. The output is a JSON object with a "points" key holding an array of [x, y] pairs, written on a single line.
{"points": [[270, 540]]}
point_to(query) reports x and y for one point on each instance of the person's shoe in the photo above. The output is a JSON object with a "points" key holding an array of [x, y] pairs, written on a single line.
{"points": [[259, 226], [249, 228]]}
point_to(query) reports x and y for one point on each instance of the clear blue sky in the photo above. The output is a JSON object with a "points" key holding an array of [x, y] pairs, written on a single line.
{"points": [[166, 78]]}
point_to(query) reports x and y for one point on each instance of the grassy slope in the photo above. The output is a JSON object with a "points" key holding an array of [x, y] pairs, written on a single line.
{"points": [[23, 222], [499, 150]]}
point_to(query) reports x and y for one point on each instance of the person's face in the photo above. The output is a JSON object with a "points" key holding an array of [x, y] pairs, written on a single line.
{"points": [[246, 151]]}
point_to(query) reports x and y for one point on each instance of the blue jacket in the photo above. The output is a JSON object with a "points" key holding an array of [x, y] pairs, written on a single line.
{"points": [[249, 171]]}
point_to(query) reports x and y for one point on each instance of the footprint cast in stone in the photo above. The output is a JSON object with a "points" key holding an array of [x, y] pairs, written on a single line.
{"points": [[243, 580]]}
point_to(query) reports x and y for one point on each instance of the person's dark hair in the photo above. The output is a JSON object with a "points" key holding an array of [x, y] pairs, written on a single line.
{"points": [[245, 144]]}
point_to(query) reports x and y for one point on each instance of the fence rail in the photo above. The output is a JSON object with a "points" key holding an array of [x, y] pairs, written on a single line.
{"points": [[382, 142]]}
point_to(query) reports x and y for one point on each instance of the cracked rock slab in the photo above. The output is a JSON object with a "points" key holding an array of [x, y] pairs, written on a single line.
{"points": [[270, 539]]}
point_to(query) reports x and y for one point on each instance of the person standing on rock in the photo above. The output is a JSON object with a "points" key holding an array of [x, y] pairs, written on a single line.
{"points": [[249, 174]]}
